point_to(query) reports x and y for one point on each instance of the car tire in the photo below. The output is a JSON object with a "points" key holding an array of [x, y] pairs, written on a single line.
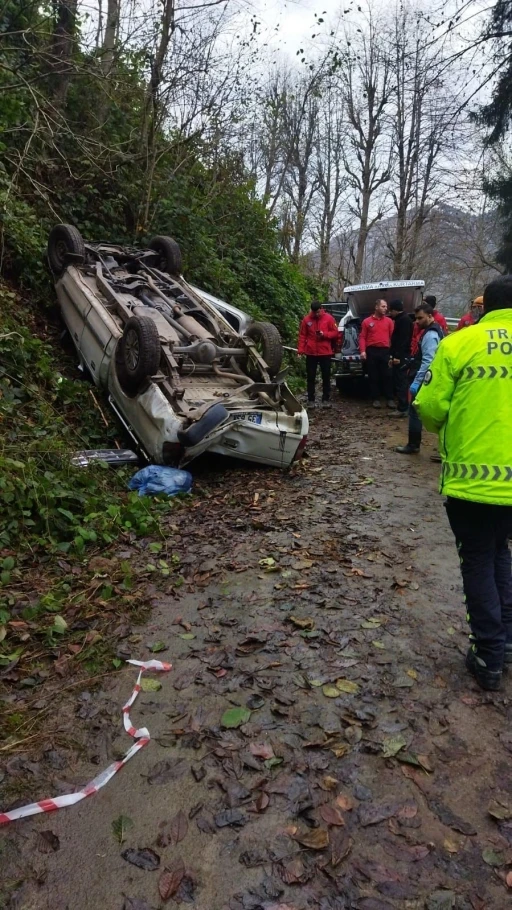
{"points": [[65, 247], [138, 354], [270, 346], [169, 255], [208, 422]]}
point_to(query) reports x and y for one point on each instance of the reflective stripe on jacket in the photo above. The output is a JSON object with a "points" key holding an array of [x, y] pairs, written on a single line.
{"points": [[467, 398]]}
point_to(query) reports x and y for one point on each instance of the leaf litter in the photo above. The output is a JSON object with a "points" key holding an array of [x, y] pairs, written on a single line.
{"points": [[284, 766]]}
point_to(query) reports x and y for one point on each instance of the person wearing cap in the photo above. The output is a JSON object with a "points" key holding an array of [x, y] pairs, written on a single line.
{"points": [[474, 315], [466, 399], [400, 352], [318, 332]]}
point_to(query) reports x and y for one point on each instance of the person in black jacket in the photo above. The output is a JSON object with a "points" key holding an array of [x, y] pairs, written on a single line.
{"points": [[400, 353]]}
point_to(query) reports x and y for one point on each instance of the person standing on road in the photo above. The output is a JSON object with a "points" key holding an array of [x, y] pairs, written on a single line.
{"points": [[375, 349], [318, 332], [431, 335], [474, 315], [466, 398], [400, 354], [439, 318]]}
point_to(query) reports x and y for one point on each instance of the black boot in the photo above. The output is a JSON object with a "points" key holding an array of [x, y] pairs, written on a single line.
{"points": [[412, 447], [486, 679]]}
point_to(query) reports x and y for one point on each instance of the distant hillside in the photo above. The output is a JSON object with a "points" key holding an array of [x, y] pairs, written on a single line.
{"points": [[455, 257]]}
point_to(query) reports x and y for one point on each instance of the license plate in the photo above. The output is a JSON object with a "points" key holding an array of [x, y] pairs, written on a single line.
{"points": [[251, 416]]}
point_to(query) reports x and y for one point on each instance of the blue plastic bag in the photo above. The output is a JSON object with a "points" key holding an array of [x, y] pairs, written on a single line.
{"points": [[155, 480]]}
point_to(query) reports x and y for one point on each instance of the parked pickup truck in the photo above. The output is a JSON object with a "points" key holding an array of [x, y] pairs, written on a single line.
{"points": [[361, 303]]}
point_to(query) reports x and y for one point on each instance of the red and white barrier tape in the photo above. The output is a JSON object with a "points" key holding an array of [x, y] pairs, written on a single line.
{"points": [[141, 735]]}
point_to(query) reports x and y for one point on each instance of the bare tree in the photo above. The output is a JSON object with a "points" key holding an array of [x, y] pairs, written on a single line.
{"points": [[365, 77]]}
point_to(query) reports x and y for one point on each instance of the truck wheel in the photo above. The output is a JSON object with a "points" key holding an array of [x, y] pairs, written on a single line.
{"points": [[65, 247], [137, 354], [169, 255], [269, 345]]}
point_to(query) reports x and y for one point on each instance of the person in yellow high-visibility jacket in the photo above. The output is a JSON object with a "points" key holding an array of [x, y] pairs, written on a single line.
{"points": [[466, 397]]}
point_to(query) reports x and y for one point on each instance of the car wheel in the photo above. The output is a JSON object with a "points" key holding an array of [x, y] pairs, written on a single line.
{"points": [[169, 255], [65, 247], [137, 354], [269, 345]]}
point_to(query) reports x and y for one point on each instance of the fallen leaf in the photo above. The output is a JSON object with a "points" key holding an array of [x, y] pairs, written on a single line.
{"points": [[262, 801], [332, 815], [345, 802], [47, 842], [451, 846], [402, 681], [292, 870], [170, 879], [261, 750], [316, 839], [447, 817], [371, 624], [120, 826], [341, 845], [393, 745], [412, 673], [302, 564], [340, 749], [328, 783], [379, 644], [165, 771], [331, 691], [302, 623], [267, 563], [187, 636], [373, 814], [508, 879], [145, 859], [230, 817], [347, 686], [492, 858], [235, 717], [175, 831], [150, 685], [501, 813], [158, 646]]}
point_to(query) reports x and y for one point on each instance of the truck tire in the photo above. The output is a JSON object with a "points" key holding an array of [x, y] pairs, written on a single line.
{"points": [[65, 247], [169, 255], [137, 354], [269, 344], [208, 422]]}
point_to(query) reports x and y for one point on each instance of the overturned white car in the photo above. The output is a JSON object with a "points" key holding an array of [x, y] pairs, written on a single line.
{"points": [[179, 376]]}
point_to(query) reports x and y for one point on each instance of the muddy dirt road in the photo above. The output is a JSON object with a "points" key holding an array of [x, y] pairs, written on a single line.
{"points": [[327, 604]]}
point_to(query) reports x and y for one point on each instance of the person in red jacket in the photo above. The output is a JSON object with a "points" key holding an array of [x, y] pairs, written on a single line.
{"points": [[474, 315], [417, 332], [317, 336], [375, 348]]}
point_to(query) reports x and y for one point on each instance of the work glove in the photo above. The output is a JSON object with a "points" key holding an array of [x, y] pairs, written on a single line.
{"points": [[415, 387]]}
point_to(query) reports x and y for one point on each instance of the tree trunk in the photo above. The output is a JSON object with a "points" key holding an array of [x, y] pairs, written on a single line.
{"points": [[61, 49], [111, 32]]}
